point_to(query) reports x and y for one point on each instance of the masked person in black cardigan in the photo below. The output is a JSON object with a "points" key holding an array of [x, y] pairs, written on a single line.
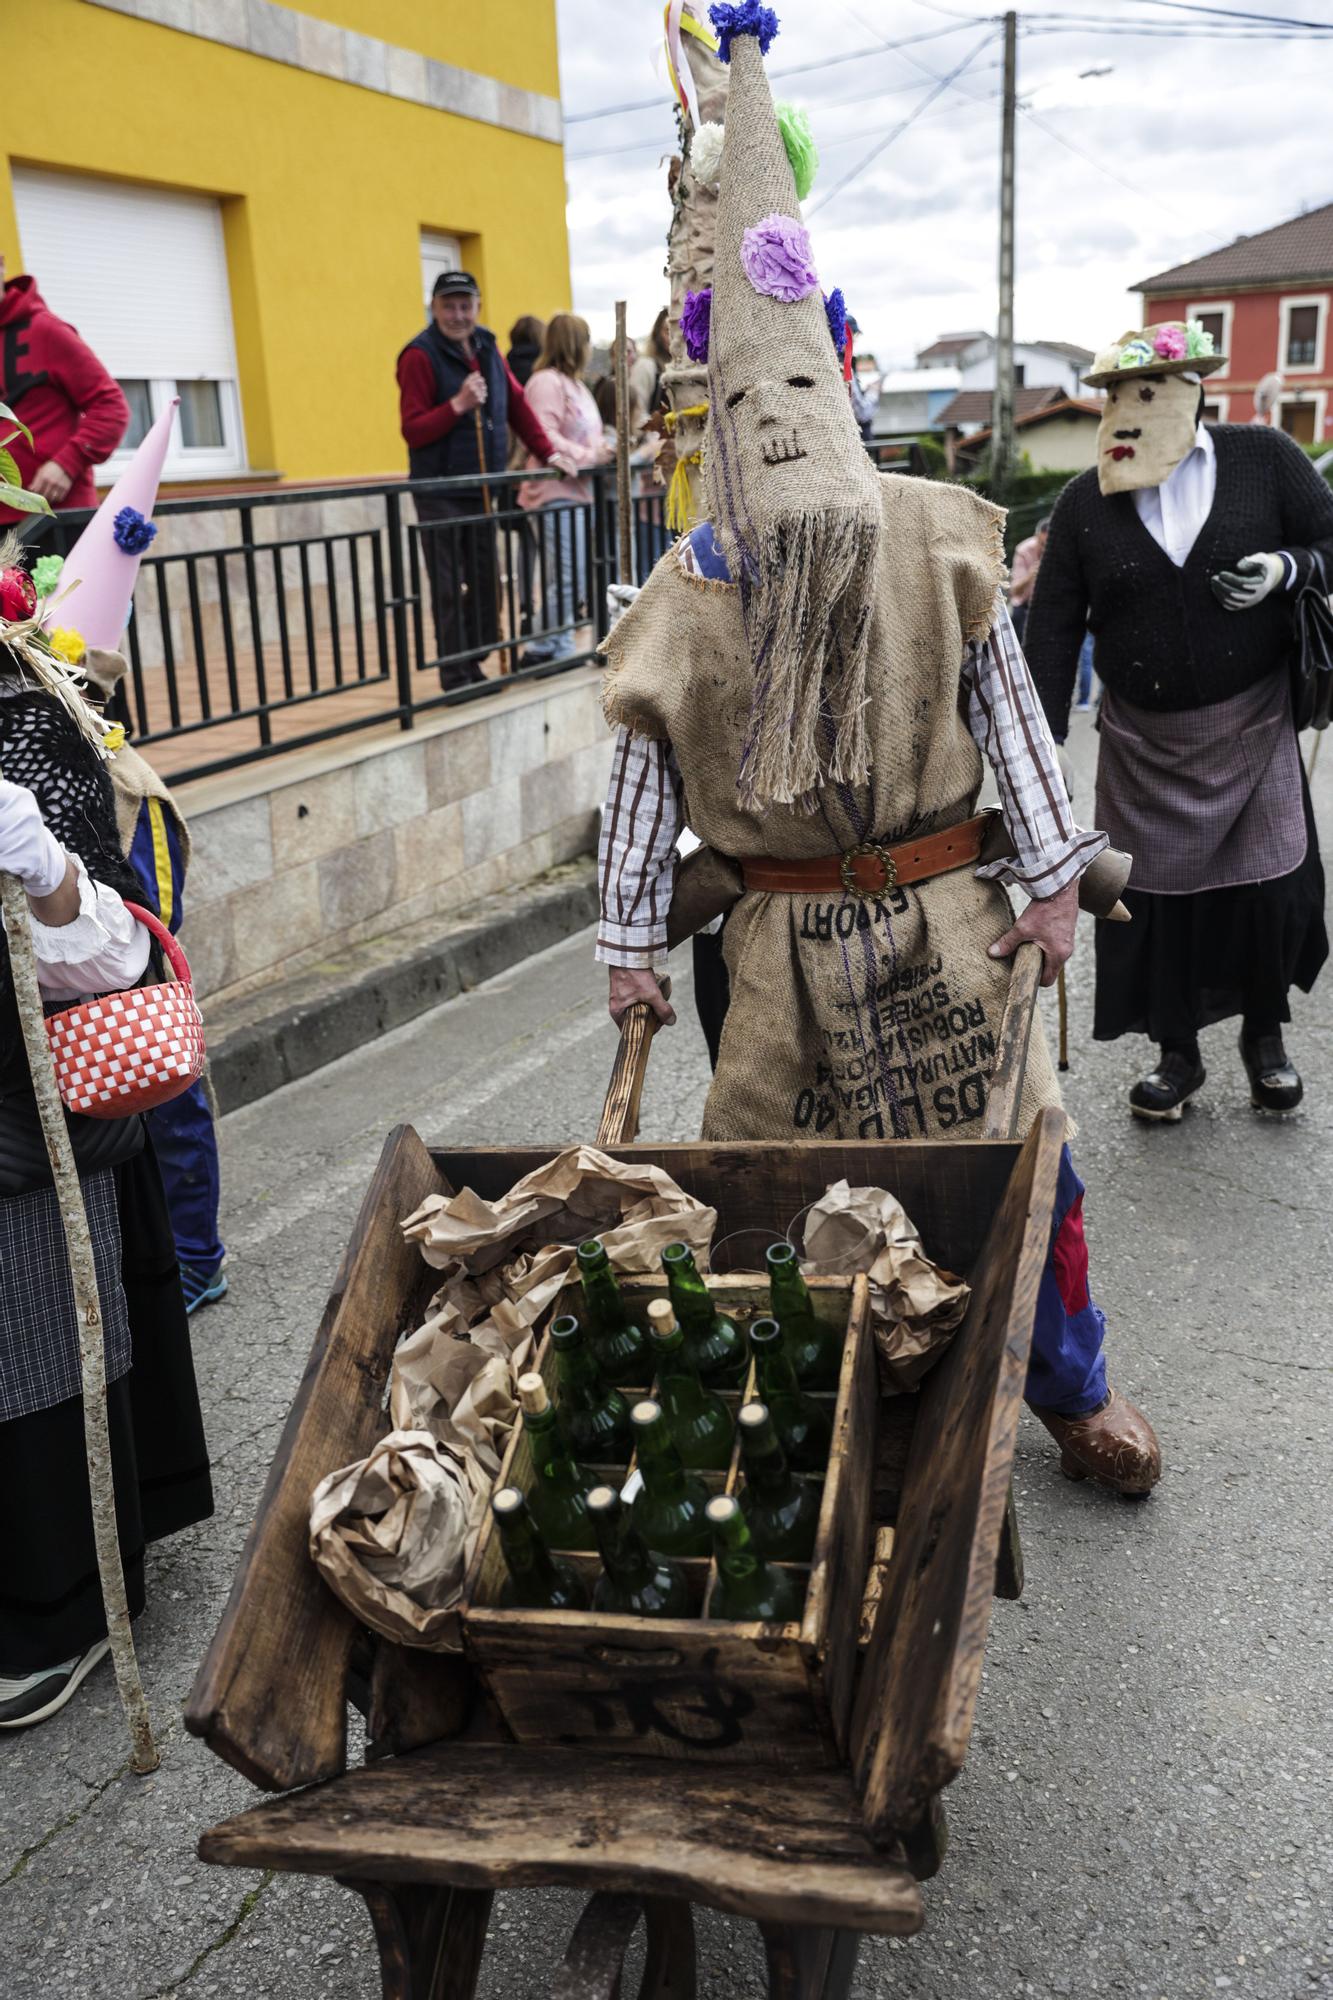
{"points": [[1180, 553]]}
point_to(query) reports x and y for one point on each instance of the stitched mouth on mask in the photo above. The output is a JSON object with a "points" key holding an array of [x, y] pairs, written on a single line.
{"points": [[783, 451], [1119, 451]]}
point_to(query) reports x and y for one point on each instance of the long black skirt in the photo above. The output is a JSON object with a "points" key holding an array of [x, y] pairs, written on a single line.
{"points": [[1187, 961], [50, 1598]]}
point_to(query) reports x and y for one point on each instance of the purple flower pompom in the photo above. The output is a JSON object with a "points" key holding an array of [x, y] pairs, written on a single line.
{"points": [[745, 17], [778, 260], [835, 311], [131, 532], [695, 317]]}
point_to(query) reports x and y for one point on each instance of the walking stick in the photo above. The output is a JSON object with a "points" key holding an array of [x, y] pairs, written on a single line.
{"points": [[1062, 994], [505, 662], [1314, 757], [87, 1305], [626, 550]]}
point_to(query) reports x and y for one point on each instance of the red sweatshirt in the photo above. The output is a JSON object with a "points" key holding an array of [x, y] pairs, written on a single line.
{"points": [[424, 421], [57, 385]]}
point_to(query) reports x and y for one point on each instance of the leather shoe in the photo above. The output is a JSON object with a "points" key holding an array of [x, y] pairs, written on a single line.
{"points": [[1162, 1094], [1115, 1445], [1275, 1083]]}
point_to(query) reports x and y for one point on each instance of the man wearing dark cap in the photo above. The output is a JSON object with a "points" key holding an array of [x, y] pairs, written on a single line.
{"points": [[457, 399]]}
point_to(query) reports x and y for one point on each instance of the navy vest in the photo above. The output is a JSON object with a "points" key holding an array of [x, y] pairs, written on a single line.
{"points": [[456, 453]]}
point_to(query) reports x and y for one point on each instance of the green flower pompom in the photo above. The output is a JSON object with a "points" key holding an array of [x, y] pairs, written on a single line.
{"points": [[794, 125], [46, 574]]}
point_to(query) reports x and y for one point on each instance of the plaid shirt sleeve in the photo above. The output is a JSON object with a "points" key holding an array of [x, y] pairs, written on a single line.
{"points": [[636, 855], [1009, 727]]}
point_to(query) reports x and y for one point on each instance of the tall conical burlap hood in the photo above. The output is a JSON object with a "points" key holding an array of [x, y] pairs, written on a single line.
{"points": [[793, 496], [755, 339]]}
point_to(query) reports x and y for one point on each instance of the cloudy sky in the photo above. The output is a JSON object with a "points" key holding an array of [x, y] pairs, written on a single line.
{"points": [[1135, 151]]}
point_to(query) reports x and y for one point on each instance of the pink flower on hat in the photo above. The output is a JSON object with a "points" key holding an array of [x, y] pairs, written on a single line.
{"points": [[778, 259], [1169, 343]]}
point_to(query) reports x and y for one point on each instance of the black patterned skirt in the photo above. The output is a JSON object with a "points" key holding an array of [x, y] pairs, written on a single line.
{"points": [[50, 1598]]}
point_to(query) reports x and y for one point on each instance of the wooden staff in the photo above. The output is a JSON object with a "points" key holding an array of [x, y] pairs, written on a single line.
{"points": [[506, 663], [1063, 997], [87, 1305], [626, 569]]}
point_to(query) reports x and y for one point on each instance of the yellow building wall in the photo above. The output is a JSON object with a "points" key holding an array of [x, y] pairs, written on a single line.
{"points": [[325, 189]]}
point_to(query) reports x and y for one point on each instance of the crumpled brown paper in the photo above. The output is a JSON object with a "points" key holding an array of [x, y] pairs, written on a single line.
{"points": [[916, 1305], [394, 1533]]}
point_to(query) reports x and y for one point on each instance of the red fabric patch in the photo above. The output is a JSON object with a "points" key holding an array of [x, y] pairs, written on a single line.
{"points": [[1070, 1257]]}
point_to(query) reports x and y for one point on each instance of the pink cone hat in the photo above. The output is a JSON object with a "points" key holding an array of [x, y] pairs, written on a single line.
{"points": [[99, 609]]}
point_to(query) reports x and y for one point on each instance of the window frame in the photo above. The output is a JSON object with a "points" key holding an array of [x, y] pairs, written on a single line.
{"points": [[1213, 307], [188, 462], [1313, 398], [1223, 404], [1285, 307]]}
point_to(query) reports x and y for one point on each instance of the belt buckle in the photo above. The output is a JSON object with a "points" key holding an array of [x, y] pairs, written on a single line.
{"points": [[888, 866]]}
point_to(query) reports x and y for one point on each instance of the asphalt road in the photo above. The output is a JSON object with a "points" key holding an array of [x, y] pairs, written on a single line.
{"points": [[1146, 1807]]}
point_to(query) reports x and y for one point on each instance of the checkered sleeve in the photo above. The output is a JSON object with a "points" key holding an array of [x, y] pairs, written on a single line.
{"points": [[636, 856], [1006, 720]]}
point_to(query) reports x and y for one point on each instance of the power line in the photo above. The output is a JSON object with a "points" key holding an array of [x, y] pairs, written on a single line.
{"points": [[798, 69], [941, 86], [1235, 14]]}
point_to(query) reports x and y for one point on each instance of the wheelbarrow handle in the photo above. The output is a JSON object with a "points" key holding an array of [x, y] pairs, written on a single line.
{"points": [[620, 1113], [1011, 1044]]}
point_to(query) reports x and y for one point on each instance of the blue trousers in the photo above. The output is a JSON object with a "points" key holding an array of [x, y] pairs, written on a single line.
{"points": [[187, 1152], [1066, 1371]]}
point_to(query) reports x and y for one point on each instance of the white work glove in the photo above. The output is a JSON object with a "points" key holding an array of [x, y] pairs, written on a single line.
{"points": [[1252, 580], [28, 848]]}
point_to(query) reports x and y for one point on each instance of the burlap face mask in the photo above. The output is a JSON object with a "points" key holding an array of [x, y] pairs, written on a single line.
{"points": [[1147, 427]]}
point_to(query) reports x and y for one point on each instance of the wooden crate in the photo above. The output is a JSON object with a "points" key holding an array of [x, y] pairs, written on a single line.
{"points": [[699, 1687]]}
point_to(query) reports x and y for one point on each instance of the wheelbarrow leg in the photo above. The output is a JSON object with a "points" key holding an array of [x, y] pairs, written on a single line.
{"points": [[805, 1963], [926, 1844], [1009, 1559], [595, 1961], [430, 1940]]}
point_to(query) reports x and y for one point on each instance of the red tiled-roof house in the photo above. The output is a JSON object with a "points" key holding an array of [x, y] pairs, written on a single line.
{"points": [[1266, 300]]}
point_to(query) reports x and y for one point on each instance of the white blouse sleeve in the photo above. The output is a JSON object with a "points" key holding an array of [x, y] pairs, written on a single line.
{"points": [[103, 950]]}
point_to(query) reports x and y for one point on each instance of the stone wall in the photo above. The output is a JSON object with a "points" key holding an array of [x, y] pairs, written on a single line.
{"points": [[321, 849]]}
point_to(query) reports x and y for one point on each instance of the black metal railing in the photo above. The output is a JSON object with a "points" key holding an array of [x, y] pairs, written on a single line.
{"points": [[267, 622]]}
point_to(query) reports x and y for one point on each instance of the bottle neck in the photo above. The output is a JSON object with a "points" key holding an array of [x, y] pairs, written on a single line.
{"points": [[671, 1358], [580, 1376], [774, 1369], [733, 1550], [766, 1466], [790, 1293], [623, 1549], [524, 1550], [689, 1294], [545, 1436], [660, 1462], [606, 1308]]}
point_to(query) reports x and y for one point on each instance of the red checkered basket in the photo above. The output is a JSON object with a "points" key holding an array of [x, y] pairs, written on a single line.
{"points": [[129, 1051]]}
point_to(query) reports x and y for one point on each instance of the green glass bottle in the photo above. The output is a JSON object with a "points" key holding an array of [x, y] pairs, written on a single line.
{"points": [[594, 1419], [620, 1346], [538, 1581], [556, 1498], [697, 1419], [781, 1511], [668, 1509], [635, 1578], [803, 1425], [814, 1348], [747, 1586], [713, 1342]]}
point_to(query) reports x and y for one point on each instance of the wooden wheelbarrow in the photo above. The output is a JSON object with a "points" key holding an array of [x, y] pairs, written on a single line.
{"points": [[448, 1807]]}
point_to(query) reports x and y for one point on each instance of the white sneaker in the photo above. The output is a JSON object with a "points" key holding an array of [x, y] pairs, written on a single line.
{"points": [[32, 1698]]}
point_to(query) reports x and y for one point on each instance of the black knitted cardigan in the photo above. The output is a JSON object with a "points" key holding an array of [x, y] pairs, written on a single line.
{"points": [[1161, 639]]}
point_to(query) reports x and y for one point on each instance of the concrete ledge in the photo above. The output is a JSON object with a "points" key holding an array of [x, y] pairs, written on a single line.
{"points": [[354, 996]]}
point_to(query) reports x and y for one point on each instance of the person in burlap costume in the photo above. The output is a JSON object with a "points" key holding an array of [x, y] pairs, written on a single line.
{"points": [[789, 681]]}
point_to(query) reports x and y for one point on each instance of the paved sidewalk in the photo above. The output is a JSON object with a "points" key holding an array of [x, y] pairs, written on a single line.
{"points": [[1145, 1810]]}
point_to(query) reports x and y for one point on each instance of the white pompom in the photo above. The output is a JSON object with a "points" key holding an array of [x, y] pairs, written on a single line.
{"points": [[706, 154]]}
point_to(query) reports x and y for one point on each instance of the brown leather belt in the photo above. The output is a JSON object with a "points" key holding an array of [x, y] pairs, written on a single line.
{"points": [[870, 869]]}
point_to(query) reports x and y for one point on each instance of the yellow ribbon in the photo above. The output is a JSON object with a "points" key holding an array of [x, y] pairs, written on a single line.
{"points": [[680, 493], [673, 417], [671, 37]]}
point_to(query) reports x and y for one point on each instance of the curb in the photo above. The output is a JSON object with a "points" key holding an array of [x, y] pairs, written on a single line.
{"points": [[261, 1056]]}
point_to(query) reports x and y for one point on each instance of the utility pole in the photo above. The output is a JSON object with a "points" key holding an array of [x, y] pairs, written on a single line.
{"points": [[1002, 409]]}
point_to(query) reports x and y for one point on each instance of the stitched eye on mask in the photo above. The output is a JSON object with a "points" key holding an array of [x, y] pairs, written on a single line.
{"points": [[1146, 395], [734, 398], [800, 381]]}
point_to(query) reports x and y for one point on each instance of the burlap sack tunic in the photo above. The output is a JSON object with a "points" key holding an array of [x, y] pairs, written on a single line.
{"points": [[849, 1019]]}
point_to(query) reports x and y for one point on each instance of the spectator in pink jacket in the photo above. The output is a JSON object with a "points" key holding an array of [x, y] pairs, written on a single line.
{"points": [[564, 406]]}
